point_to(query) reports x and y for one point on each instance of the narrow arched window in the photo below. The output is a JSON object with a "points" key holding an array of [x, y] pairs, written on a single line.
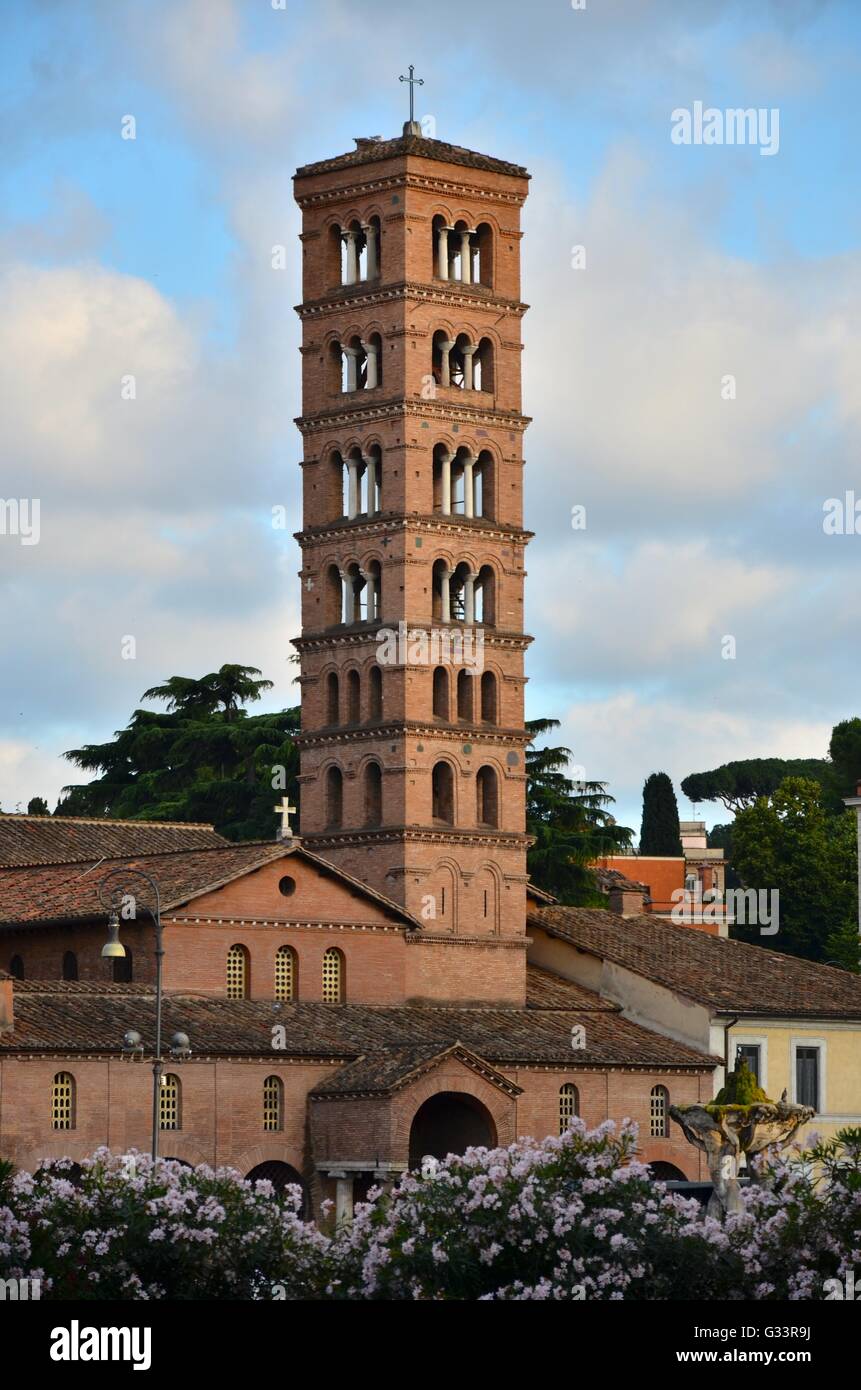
{"points": [[373, 794], [70, 966], [440, 692], [237, 973], [333, 976], [273, 1104], [170, 1102], [285, 973], [465, 687], [354, 697], [659, 1113], [63, 1101], [442, 793], [569, 1105], [334, 798], [16, 968], [487, 796], [375, 693], [332, 703], [488, 698]]}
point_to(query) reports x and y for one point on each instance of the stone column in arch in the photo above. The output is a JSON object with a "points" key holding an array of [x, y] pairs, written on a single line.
{"points": [[372, 374], [352, 268], [445, 348], [372, 266]]}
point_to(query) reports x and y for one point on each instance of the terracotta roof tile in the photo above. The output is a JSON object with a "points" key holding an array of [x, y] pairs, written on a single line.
{"points": [[729, 976], [371, 151], [67, 839], [86, 1019], [69, 892]]}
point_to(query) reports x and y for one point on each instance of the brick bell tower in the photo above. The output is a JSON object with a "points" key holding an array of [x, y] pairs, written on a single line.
{"points": [[412, 645]]}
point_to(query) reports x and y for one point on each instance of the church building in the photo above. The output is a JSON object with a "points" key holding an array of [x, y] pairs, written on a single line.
{"points": [[386, 984]]}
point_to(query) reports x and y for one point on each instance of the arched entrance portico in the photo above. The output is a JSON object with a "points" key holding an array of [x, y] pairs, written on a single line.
{"points": [[666, 1172], [281, 1175], [450, 1122]]}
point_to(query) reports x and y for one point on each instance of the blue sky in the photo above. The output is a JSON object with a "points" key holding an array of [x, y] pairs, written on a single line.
{"points": [[153, 257]]}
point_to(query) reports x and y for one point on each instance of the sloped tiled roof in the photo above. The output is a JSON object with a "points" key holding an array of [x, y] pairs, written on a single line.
{"points": [[86, 1018], [69, 892], [382, 1075], [370, 151], [544, 990], [727, 975], [68, 839]]}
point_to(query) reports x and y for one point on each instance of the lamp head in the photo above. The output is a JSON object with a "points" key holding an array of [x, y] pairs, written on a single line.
{"points": [[113, 948]]}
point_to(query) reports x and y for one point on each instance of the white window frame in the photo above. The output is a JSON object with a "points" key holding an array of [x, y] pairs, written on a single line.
{"points": [[794, 1044]]}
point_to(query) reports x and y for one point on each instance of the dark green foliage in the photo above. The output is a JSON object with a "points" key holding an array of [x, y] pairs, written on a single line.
{"points": [[791, 843], [569, 822], [845, 752], [206, 759], [660, 829], [738, 784], [37, 806]]}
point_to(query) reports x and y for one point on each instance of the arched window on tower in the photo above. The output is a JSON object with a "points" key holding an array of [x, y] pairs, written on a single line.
{"points": [[465, 688], [237, 972], [170, 1102], [285, 974], [442, 793], [333, 599], [273, 1104], [659, 1113], [332, 699], [334, 798], [63, 1101], [569, 1105], [440, 692], [488, 698], [483, 259], [354, 697], [70, 966], [375, 694], [373, 794], [485, 596], [483, 367], [333, 976], [487, 796]]}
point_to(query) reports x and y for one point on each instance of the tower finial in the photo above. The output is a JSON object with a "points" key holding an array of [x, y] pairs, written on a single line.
{"points": [[412, 126]]}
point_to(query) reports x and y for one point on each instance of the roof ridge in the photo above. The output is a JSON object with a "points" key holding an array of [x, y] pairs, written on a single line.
{"points": [[108, 820]]}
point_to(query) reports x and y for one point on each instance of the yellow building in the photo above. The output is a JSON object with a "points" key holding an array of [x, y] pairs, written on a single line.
{"points": [[797, 1024]]}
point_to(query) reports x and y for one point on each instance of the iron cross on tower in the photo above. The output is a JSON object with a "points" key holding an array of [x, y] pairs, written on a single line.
{"points": [[414, 82]]}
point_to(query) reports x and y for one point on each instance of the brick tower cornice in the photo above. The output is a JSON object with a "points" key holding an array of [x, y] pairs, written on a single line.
{"points": [[369, 529], [466, 297], [443, 411]]}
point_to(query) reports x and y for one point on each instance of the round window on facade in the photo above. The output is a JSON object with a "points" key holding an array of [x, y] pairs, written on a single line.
{"points": [[287, 886]]}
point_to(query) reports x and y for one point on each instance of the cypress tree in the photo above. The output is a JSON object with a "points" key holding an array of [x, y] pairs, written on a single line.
{"points": [[660, 830]]}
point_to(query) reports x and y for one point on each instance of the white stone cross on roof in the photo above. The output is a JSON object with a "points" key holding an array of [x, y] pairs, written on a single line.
{"points": [[285, 811]]}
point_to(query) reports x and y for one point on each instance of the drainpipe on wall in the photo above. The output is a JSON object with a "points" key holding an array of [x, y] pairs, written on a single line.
{"points": [[726, 1065]]}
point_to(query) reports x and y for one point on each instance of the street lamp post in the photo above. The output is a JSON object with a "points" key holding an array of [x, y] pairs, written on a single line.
{"points": [[113, 949]]}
